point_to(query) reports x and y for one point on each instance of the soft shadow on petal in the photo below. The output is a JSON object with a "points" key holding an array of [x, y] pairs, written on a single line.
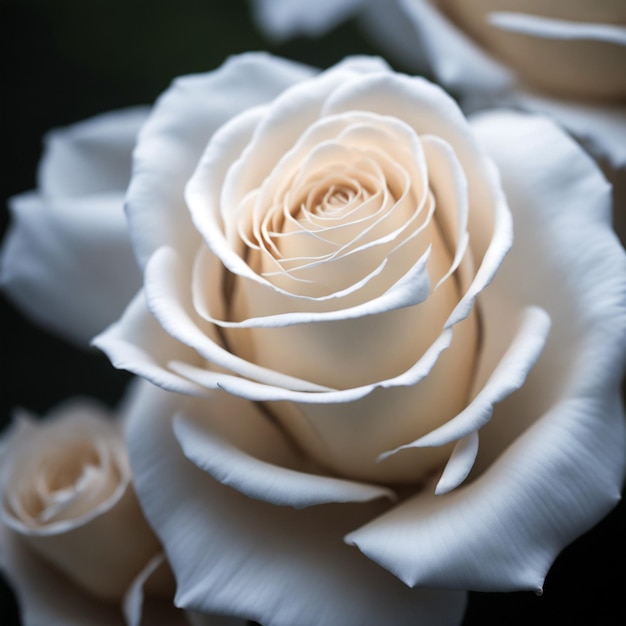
{"points": [[60, 247], [503, 531], [279, 566], [181, 124], [45, 595], [263, 466], [551, 461]]}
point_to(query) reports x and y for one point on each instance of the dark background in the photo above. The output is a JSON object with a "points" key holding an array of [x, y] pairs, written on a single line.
{"points": [[66, 60]]}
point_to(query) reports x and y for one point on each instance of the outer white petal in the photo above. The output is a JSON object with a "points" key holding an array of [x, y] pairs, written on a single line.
{"points": [[279, 566], [137, 343], [565, 429], [93, 156], [45, 596], [456, 60], [282, 19], [181, 124], [67, 261], [601, 127]]}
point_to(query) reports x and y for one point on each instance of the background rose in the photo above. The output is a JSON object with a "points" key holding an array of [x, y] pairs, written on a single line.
{"points": [[73, 540], [69, 66], [70, 235], [562, 59], [542, 172], [73, 535]]}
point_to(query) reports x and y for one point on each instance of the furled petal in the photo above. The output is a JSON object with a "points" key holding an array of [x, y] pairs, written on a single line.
{"points": [[551, 461], [550, 28], [46, 596], [276, 565], [239, 446], [456, 60], [59, 247], [137, 342], [181, 124]]}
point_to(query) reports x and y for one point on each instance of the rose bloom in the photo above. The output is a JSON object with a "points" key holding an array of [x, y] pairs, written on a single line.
{"points": [[563, 58], [73, 540], [390, 344]]}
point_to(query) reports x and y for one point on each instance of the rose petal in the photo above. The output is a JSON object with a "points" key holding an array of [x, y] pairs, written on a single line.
{"points": [[283, 19], [59, 247], [456, 60], [153, 609], [263, 467], [565, 428], [508, 375], [181, 124], [459, 465], [272, 564], [90, 157], [137, 343], [550, 28], [601, 127], [46, 596]]}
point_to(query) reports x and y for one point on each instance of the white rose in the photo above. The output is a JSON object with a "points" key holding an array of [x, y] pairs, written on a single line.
{"points": [[565, 59], [324, 266], [73, 540], [70, 235]]}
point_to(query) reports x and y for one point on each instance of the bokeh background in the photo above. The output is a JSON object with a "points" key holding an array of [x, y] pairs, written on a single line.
{"points": [[66, 60]]}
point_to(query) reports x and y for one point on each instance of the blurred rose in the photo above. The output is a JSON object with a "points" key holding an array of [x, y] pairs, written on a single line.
{"points": [[324, 270], [70, 237], [563, 58], [74, 543]]}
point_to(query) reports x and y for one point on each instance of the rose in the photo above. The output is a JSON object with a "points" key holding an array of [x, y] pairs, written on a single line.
{"points": [[70, 235], [68, 506], [563, 59], [74, 541], [312, 375]]}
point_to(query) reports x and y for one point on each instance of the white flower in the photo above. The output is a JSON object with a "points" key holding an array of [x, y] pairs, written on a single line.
{"points": [[324, 270], [563, 59], [73, 540], [70, 237]]}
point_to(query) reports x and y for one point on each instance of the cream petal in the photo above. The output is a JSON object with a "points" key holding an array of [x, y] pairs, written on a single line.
{"points": [[456, 60], [45, 596], [173, 138], [90, 157], [239, 556], [522, 349], [411, 289], [551, 460], [58, 247], [137, 343], [215, 445], [430, 111], [169, 299]]}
